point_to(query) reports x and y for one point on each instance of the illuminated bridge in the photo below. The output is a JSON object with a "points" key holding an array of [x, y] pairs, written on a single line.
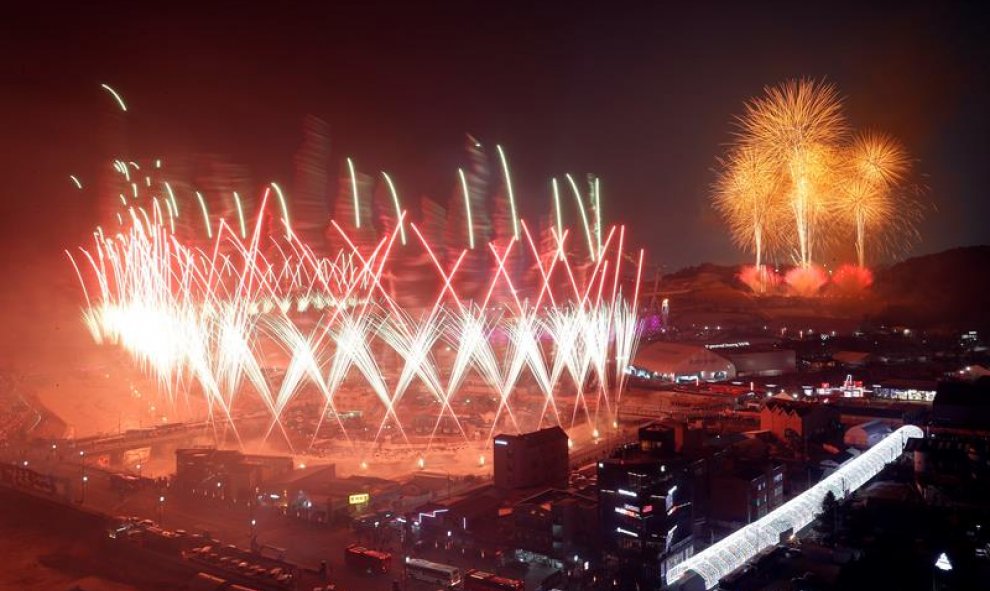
{"points": [[705, 569]]}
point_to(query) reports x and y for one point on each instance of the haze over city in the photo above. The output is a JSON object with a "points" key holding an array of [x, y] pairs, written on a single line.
{"points": [[495, 297]]}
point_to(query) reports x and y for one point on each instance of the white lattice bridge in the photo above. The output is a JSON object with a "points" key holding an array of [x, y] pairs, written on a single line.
{"points": [[735, 550]]}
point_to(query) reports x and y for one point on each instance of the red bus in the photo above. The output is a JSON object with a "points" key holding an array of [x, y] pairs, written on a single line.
{"points": [[476, 580], [362, 559]]}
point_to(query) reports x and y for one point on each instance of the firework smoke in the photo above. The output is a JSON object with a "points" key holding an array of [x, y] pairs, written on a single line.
{"points": [[806, 281], [762, 279], [851, 280]]}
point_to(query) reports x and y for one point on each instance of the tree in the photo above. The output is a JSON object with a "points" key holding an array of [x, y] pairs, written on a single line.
{"points": [[828, 521]]}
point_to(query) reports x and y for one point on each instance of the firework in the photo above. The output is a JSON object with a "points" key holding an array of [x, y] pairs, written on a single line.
{"points": [[795, 129], [748, 196], [873, 198], [208, 321], [794, 171]]}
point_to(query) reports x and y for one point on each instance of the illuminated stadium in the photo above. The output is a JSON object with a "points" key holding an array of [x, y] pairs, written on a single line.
{"points": [[370, 332]]}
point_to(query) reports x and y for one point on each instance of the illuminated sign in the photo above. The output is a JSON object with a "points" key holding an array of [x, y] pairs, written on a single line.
{"points": [[728, 345], [358, 498], [626, 512]]}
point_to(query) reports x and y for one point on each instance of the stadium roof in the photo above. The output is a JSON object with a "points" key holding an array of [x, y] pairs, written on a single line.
{"points": [[679, 359]]}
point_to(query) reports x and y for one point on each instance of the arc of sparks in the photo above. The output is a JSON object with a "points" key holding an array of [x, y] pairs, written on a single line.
{"points": [[206, 215], [171, 196], [398, 208], [116, 96], [285, 209], [467, 207], [354, 192], [584, 215], [598, 214], [556, 206], [508, 190], [75, 181], [240, 215]]}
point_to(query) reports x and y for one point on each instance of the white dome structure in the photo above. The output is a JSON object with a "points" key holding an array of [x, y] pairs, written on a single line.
{"points": [[679, 362]]}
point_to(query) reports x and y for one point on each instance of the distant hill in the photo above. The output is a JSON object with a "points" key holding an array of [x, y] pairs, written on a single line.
{"points": [[950, 289], [726, 273]]}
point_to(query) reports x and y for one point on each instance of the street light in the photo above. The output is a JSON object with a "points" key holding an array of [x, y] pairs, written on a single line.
{"points": [[161, 509]]}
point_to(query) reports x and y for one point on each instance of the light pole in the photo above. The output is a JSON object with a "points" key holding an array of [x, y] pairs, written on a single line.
{"points": [[85, 479], [161, 509]]}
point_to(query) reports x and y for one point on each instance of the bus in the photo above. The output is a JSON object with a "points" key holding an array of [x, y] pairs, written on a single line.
{"points": [[364, 560], [476, 580], [432, 572]]}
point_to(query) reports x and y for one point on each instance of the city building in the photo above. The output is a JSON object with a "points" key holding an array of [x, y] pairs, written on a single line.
{"points": [[645, 517], [316, 494], [555, 524], [745, 491], [537, 459], [963, 404], [668, 437], [906, 390], [789, 420], [226, 474]]}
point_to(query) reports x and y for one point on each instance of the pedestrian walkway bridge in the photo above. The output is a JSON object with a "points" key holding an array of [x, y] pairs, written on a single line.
{"points": [[705, 569]]}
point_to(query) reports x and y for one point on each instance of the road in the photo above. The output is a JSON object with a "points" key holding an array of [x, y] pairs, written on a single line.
{"points": [[305, 544]]}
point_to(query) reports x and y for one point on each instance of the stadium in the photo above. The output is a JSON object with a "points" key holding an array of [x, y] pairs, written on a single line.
{"points": [[375, 334]]}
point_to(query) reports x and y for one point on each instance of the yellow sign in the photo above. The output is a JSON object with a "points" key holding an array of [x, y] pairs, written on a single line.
{"points": [[359, 498]]}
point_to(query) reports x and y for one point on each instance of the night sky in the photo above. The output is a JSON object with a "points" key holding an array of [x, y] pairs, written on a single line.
{"points": [[641, 94]]}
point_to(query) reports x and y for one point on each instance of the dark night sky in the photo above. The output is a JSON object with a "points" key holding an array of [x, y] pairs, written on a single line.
{"points": [[640, 93]]}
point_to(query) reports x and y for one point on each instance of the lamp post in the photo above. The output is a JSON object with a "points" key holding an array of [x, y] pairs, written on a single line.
{"points": [[161, 509], [85, 479]]}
